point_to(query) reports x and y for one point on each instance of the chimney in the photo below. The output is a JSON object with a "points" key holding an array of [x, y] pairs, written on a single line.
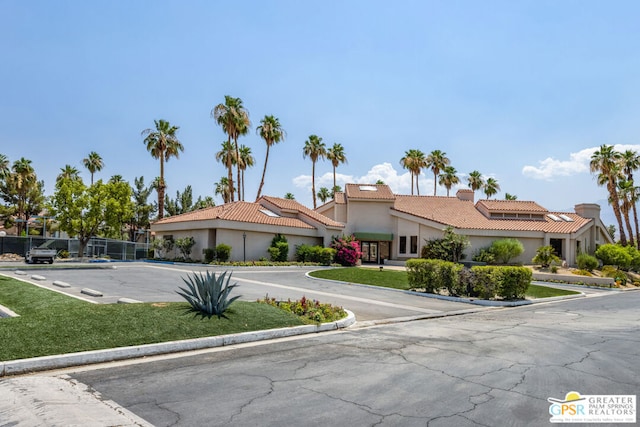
{"points": [[588, 210], [465, 194]]}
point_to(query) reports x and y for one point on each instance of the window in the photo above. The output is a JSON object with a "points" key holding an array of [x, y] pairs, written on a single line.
{"points": [[414, 244], [403, 244]]}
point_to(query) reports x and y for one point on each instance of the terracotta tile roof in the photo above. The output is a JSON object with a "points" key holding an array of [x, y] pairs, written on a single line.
{"points": [[510, 206], [236, 211], [293, 206], [369, 192], [463, 214]]}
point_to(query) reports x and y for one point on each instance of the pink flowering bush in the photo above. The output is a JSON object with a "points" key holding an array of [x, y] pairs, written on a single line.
{"points": [[347, 250]]}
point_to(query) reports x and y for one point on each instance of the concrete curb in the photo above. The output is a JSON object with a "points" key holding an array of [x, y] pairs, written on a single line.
{"points": [[6, 312], [35, 364]]}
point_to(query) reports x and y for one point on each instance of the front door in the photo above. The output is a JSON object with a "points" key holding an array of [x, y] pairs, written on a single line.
{"points": [[369, 251]]}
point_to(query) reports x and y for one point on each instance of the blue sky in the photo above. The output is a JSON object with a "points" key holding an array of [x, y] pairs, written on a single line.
{"points": [[521, 91]]}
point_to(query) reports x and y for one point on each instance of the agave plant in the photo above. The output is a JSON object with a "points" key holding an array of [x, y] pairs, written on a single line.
{"points": [[208, 294]]}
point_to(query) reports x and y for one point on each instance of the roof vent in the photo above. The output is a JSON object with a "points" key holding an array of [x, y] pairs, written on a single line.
{"points": [[554, 217]]}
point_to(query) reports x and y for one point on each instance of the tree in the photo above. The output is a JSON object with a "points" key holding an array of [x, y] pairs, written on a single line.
{"points": [[183, 202], [223, 190], [491, 187], [324, 194], [142, 209], [68, 172], [227, 155], [611, 229], [5, 170], [626, 193], [271, 131], [245, 160], [163, 144], [93, 162], [82, 211], [315, 149], [630, 163], [436, 161], [448, 178], [336, 156], [234, 120], [414, 161], [22, 191], [545, 256], [475, 180], [289, 196], [201, 203], [185, 244], [504, 250], [605, 161], [508, 196]]}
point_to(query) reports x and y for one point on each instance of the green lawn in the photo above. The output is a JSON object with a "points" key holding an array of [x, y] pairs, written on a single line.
{"points": [[398, 280], [369, 276], [52, 323]]}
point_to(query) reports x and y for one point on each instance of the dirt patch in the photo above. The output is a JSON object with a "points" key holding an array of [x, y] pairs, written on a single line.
{"points": [[159, 304], [11, 257]]}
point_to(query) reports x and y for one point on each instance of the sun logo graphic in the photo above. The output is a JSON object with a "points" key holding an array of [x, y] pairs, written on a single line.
{"points": [[577, 408]]}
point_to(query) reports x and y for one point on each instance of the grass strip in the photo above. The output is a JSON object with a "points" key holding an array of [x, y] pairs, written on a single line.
{"points": [[51, 323], [537, 291], [395, 279]]}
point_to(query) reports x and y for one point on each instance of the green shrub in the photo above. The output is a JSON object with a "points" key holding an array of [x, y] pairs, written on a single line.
{"points": [[611, 254], [504, 250], [279, 249], [587, 262], [554, 269], [545, 256], [483, 284], [608, 271], [325, 256], [421, 273], [209, 255], [208, 294], [447, 277], [484, 255], [63, 254], [308, 309], [582, 272], [449, 248], [635, 257], [303, 253], [185, 245], [512, 282], [223, 252]]}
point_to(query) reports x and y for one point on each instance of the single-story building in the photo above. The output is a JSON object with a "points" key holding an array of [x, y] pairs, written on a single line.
{"points": [[249, 227], [396, 227]]}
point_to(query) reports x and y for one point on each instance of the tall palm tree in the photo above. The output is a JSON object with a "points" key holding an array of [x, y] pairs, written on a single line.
{"points": [[223, 189], [605, 161], [508, 196], [475, 180], [414, 160], [93, 162], [625, 190], [336, 156], [163, 144], [315, 149], [289, 196], [227, 156], [448, 178], [491, 187], [324, 194], [68, 172], [234, 120], [436, 161], [271, 131], [246, 160], [630, 163]]}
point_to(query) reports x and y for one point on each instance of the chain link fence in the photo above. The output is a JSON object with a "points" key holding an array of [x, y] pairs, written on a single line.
{"points": [[96, 248]]}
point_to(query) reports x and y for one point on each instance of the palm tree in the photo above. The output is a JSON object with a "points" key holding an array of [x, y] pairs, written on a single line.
{"points": [[448, 178], [5, 170], [93, 163], [336, 156], [315, 149], [163, 144], [234, 120], [436, 161], [68, 172], [630, 163], [223, 189], [289, 196], [227, 156], [491, 187], [625, 190], [271, 131], [246, 160], [324, 194], [508, 196], [22, 179], [414, 161], [475, 180], [605, 161]]}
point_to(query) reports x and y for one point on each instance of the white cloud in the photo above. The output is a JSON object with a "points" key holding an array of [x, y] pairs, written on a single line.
{"points": [[578, 163], [384, 172]]}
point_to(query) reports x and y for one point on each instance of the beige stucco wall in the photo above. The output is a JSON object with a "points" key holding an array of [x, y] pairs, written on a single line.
{"points": [[257, 243], [367, 216]]}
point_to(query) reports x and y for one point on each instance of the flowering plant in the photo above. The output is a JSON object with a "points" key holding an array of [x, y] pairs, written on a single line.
{"points": [[347, 250]]}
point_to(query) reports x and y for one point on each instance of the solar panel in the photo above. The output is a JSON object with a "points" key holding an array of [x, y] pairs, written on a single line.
{"points": [[553, 217], [566, 218]]}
